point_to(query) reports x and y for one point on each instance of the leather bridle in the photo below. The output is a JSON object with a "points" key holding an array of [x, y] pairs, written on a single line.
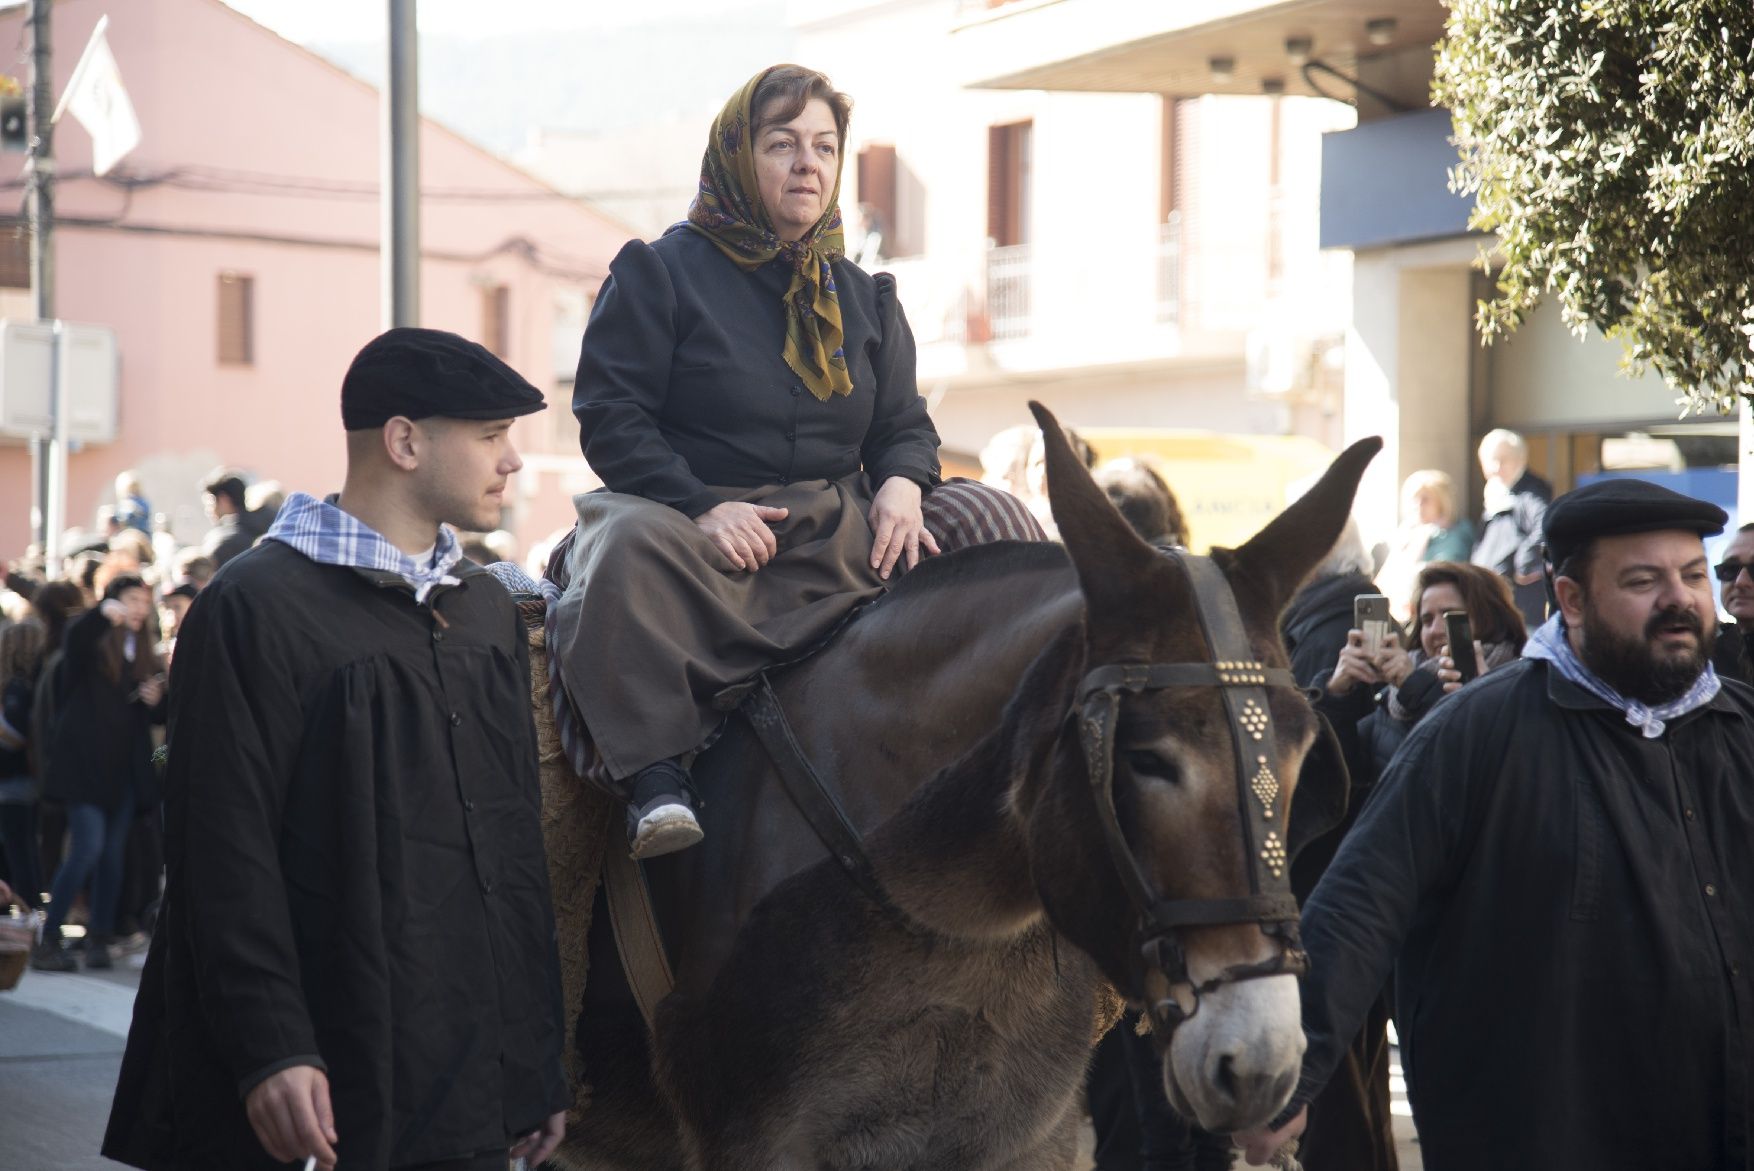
{"points": [[1262, 801]]}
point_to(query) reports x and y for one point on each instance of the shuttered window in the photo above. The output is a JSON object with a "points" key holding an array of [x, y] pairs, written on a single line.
{"points": [[237, 319], [1170, 175], [496, 319], [1008, 181], [15, 258], [877, 192]]}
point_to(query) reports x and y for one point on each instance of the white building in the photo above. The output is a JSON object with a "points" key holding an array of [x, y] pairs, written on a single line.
{"points": [[1128, 259]]}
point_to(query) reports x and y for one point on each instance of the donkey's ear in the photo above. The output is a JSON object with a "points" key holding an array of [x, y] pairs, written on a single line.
{"points": [[1108, 555], [1275, 560]]}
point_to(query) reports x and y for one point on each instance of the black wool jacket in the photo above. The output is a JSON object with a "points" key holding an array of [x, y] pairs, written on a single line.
{"points": [[355, 874], [681, 382], [1567, 909]]}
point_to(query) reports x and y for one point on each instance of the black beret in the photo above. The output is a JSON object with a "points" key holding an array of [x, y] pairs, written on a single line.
{"points": [[418, 373], [1611, 508]]}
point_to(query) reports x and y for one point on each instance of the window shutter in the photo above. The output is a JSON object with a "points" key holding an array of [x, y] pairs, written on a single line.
{"points": [[998, 184], [496, 319], [237, 340]]}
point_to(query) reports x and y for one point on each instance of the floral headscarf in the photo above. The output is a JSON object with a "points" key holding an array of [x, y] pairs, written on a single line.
{"points": [[729, 212]]}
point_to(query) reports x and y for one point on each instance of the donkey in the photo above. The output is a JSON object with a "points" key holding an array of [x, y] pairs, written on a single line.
{"points": [[813, 1028]]}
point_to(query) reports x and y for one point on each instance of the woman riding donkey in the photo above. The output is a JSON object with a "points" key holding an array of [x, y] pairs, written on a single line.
{"points": [[747, 394]]}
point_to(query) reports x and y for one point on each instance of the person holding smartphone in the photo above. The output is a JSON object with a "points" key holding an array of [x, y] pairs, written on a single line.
{"points": [[1417, 678]]}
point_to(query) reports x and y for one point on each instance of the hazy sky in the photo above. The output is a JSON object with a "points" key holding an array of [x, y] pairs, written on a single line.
{"points": [[305, 21]]}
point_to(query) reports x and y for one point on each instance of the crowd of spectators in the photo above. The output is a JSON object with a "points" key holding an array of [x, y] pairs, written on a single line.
{"points": [[85, 651]]}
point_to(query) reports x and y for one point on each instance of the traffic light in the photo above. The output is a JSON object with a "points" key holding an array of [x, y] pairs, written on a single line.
{"points": [[14, 132]]}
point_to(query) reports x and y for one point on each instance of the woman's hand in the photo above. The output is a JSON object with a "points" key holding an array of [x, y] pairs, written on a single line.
{"points": [[152, 690], [113, 609], [899, 527], [1355, 666], [741, 533], [1452, 678], [1393, 663]]}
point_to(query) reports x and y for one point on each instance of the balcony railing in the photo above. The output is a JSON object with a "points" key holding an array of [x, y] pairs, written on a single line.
{"points": [[1008, 286], [1169, 268]]}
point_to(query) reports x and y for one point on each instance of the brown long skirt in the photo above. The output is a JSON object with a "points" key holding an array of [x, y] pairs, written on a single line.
{"points": [[657, 621]]}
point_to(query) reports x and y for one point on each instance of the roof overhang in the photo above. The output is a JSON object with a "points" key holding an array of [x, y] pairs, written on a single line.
{"points": [[1169, 46]]}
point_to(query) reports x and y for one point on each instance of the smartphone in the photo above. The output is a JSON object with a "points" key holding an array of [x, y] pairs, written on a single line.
{"points": [[1370, 613], [1461, 643]]}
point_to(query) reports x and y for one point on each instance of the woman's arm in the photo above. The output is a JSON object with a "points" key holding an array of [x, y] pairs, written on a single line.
{"points": [[623, 381], [901, 440]]}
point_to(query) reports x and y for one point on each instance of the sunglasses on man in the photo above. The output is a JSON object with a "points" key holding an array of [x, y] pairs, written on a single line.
{"points": [[1728, 571]]}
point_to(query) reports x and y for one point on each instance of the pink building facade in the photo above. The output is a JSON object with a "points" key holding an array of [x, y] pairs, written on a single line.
{"points": [[235, 255]]}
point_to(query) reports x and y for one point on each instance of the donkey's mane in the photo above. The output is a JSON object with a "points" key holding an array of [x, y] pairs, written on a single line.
{"points": [[976, 564]]}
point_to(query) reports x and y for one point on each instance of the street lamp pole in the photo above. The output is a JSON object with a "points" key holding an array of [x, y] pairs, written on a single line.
{"points": [[401, 169], [50, 480]]}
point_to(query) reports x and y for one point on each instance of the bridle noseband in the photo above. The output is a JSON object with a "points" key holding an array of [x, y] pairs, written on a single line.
{"points": [[1262, 801]]}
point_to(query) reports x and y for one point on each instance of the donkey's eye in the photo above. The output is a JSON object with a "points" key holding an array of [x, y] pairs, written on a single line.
{"points": [[1145, 763]]}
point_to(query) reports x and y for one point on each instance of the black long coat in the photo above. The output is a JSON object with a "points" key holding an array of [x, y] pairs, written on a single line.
{"points": [[1568, 912], [681, 382], [101, 743], [355, 870]]}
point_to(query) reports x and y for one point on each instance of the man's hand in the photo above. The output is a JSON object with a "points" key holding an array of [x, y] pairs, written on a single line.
{"points": [[1355, 666], [536, 1146], [741, 533], [291, 1116], [898, 526], [1259, 1146]]}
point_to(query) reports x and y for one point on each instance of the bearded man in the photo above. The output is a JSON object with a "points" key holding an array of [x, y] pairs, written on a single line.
{"points": [[1553, 871]]}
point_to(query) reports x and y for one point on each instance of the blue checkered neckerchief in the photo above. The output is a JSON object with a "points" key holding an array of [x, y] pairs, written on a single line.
{"points": [[327, 535], [1549, 643]]}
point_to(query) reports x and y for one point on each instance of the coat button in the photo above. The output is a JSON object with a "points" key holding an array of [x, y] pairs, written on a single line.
{"points": [[1710, 890], [1689, 815], [791, 434], [785, 479], [796, 391], [487, 886], [438, 636], [468, 806], [456, 720]]}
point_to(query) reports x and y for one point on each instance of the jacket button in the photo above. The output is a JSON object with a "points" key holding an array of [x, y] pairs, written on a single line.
{"points": [[1710, 890], [785, 479], [456, 720], [487, 886], [1689, 815], [796, 391], [468, 806], [791, 434]]}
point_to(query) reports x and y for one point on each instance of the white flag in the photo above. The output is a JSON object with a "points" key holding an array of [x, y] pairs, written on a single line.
{"points": [[95, 96]]}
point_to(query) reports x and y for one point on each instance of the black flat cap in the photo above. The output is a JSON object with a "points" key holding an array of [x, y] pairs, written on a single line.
{"points": [[1611, 508], [418, 373]]}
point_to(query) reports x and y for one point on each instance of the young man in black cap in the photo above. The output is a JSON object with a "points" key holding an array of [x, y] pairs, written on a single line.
{"points": [[356, 960], [1555, 872]]}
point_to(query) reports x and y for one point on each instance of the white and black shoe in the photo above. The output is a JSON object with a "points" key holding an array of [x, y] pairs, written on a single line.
{"points": [[660, 815]]}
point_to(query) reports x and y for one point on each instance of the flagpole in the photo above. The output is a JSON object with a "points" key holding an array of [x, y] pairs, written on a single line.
{"points": [[51, 472]]}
